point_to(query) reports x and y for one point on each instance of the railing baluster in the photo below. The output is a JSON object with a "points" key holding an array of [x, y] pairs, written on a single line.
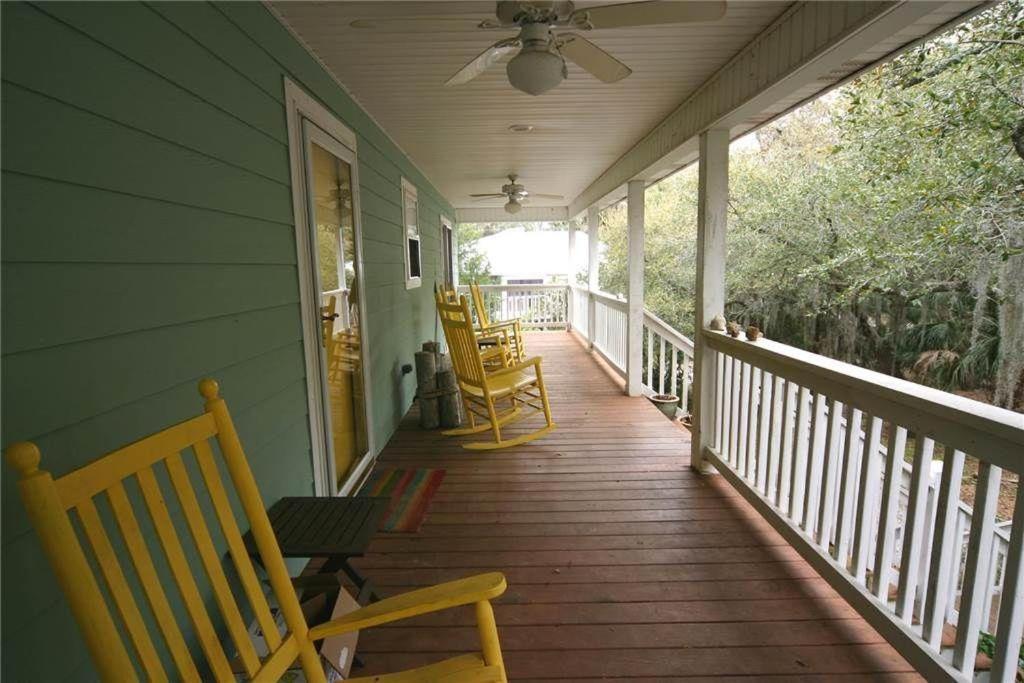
{"points": [[730, 362], [816, 461], [742, 417], [867, 499], [650, 358], [672, 380], [944, 545], [763, 429], [720, 369], [830, 472], [783, 492], [661, 365], [888, 510], [913, 527], [753, 403], [798, 478], [734, 408], [774, 437], [684, 384], [1011, 603], [978, 558], [851, 450]]}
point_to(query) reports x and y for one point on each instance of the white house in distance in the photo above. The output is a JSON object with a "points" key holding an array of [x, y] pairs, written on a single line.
{"points": [[532, 257]]}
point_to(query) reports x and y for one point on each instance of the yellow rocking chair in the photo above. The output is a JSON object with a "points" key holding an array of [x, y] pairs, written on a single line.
{"points": [[123, 645], [520, 383], [513, 328], [499, 346]]}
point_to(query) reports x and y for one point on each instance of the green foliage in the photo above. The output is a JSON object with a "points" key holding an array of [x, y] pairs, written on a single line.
{"points": [[882, 225]]}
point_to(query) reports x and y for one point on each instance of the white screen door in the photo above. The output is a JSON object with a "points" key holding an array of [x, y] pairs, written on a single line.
{"points": [[335, 246]]}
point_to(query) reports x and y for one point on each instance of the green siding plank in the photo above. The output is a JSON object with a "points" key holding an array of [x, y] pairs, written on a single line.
{"points": [[46, 138], [99, 300], [243, 385], [102, 374], [106, 226], [143, 36], [153, 104]]}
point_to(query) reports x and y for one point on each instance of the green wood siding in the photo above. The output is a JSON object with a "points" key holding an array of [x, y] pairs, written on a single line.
{"points": [[148, 241]]}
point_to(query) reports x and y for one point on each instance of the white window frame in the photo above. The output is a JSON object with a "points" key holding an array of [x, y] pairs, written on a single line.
{"points": [[448, 251], [409, 191]]}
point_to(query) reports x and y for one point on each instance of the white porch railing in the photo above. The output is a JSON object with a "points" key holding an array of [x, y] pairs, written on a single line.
{"points": [[801, 437], [668, 354], [536, 306]]}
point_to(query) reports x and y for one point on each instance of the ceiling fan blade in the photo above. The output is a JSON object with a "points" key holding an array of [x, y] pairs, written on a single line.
{"points": [[541, 195], [484, 61], [424, 23], [648, 13], [591, 58], [492, 195]]}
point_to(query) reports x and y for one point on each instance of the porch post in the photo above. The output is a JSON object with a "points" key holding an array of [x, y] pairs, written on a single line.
{"points": [[593, 238], [570, 272], [712, 201], [635, 288]]}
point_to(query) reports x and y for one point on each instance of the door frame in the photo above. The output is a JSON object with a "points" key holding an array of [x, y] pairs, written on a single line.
{"points": [[300, 106]]}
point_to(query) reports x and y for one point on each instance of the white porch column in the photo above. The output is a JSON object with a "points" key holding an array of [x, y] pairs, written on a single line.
{"points": [[593, 239], [570, 272], [712, 202], [635, 288]]}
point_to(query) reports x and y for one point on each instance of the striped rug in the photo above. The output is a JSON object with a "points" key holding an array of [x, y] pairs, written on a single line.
{"points": [[410, 491]]}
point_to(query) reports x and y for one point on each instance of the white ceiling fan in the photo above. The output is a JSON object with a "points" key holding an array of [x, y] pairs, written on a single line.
{"points": [[515, 193], [541, 48]]}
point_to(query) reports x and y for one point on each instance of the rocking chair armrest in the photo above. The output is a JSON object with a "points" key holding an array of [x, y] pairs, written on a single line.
{"points": [[433, 599], [498, 326], [532, 361]]}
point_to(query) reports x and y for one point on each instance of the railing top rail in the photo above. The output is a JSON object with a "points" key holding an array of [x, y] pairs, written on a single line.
{"points": [[979, 429], [505, 288], [668, 332]]}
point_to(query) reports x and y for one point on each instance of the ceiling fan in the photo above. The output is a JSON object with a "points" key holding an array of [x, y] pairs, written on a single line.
{"points": [[515, 193], [540, 52]]}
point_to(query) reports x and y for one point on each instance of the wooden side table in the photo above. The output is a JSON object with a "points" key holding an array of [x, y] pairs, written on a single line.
{"points": [[337, 529]]}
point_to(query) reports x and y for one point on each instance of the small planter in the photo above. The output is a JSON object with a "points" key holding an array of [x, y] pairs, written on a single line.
{"points": [[666, 403]]}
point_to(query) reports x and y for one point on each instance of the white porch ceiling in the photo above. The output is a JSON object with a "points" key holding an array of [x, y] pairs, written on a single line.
{"points": [[589, 138], [459, 137]]}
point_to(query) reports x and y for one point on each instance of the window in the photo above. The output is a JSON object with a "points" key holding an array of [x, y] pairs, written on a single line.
{"points": [[411, 228], [447, 251]]}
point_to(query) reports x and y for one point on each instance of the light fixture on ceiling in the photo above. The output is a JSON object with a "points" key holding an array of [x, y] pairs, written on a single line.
{"points": [[537, 68], [513, 206], [521, 128]]}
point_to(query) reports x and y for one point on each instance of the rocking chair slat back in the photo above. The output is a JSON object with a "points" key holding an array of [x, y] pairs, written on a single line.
{"points": [[53, 505], [479, 305], [462, 341]]}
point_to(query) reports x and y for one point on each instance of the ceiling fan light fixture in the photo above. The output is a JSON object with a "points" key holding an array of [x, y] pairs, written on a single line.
{"points": [[535, 71], [513, 206]]}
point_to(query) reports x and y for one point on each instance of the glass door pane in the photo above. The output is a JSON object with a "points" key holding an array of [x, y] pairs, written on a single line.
{"points": [[335, 246]]}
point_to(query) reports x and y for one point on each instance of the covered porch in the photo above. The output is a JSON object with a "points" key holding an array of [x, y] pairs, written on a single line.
{"points": [[622, 561]]}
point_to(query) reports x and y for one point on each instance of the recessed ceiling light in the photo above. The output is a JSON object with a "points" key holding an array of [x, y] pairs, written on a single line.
{"points": [[520, 128]]}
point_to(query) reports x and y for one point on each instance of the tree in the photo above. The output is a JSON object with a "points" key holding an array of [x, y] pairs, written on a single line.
{"points": [[882, 225]]}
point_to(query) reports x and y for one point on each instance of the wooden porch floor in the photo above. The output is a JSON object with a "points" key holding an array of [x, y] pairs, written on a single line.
{"points": [[622, 563]]}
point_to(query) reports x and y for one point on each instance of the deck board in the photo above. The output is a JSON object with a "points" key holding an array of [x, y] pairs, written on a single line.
{"points": [[622, 562]]}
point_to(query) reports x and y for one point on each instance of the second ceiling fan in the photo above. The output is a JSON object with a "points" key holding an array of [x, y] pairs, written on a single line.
{"points": [[515, 193], [541, 47]]}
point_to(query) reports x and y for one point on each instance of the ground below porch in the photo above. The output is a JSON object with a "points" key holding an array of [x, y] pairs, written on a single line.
{"points": [[622, 562]]}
